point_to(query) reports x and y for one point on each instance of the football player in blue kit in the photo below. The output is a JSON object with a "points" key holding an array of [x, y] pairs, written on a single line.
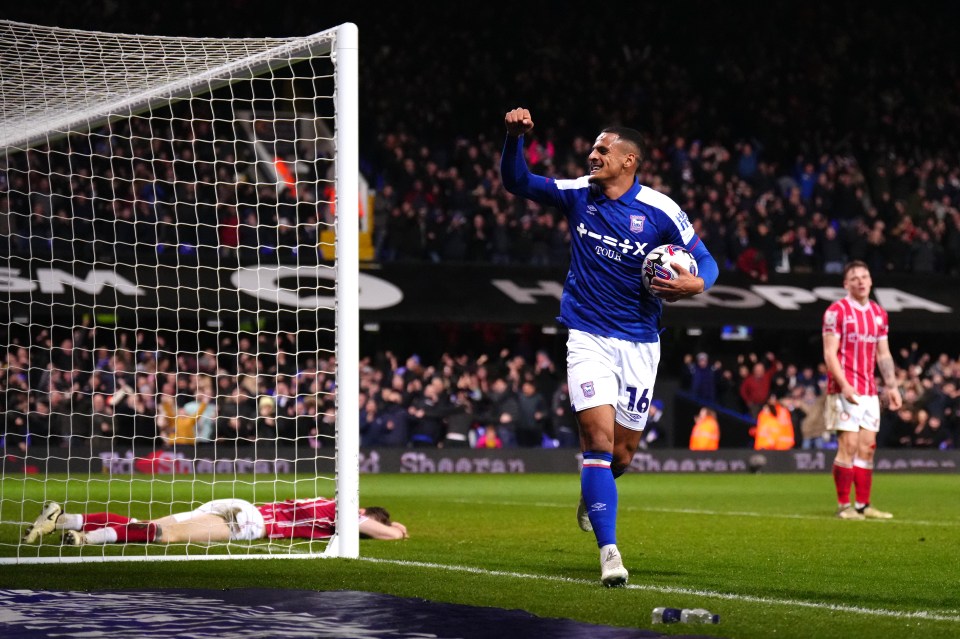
{"points": [[613, 347]]}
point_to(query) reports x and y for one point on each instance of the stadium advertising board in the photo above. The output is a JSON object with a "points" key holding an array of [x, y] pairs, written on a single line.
{"points": [[206, 460], [426, 292]]}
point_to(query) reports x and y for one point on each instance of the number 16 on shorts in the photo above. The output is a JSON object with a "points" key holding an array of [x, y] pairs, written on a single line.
{"points": [[633, 415]]}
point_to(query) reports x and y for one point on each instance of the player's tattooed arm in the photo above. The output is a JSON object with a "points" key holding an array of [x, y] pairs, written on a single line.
{"points": [[889, 373], [888, 370]]}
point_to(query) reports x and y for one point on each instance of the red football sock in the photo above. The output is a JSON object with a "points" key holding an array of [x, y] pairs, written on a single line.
{"points": [[94, 521], [862, 481], [843, 479], [141, 532]]}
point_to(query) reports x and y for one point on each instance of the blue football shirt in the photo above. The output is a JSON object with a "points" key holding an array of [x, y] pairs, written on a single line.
{"points": [[603, 293]]}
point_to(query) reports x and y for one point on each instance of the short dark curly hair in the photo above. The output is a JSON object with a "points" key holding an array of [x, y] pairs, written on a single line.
{"points": [[632, 137]]}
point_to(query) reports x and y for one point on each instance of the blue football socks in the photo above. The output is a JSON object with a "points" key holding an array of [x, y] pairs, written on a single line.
{"points": [[600, 495]]}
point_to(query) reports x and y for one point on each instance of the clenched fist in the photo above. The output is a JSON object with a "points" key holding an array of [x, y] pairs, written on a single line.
{"points": [[518, 122]]}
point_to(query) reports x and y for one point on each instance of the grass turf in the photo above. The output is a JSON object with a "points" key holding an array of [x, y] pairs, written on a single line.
{"points": [[763, 551]]}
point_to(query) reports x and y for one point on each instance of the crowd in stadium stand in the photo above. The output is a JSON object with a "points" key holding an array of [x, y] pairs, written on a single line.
{"points": [[115, 388], [788, 159], [754, 216], [172, 197], [785, 162]]}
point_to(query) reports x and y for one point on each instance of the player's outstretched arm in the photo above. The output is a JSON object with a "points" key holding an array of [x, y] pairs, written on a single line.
{"points": [[375, 530], [204, 528]]}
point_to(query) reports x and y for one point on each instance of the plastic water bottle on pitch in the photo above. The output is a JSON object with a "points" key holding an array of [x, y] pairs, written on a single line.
{"points": [[685, 615]]}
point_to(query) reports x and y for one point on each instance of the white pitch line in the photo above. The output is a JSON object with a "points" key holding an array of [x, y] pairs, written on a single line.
{"points": [[712, 513], [672, 590]]}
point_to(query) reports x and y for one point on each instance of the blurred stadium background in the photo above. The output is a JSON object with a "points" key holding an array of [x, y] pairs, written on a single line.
{"points": [[795, 137], [789, 159]]}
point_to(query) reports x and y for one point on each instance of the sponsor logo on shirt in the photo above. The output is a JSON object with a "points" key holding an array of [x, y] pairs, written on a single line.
{"points": [[591, 209], [612, 247]]}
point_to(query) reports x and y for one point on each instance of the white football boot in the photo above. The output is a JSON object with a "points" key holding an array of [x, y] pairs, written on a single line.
{"points": [[848, 512], [44, 524], [583, 519], [74, 538], [612, 572], [870, 512]]}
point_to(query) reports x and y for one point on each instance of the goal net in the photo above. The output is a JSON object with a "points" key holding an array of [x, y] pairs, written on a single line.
{"points": [[176, 327]]}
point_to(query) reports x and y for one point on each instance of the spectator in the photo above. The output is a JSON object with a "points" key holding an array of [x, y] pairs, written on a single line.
{"points": [[16, 427], [205, 411], [774, 428], [38, 426], [652, 433], [266, 418], [61, 418], [100, 428], [755, 389], [752, 262], [929, 432], [236, 417], [460, 422], [904, 425], [428, 411], [532, 412], [832, 252], [706, 431], [563, 422], [813, 427], [703, 377], [747, 162], [373, 425], [487, 437], [504, 413], [728, 391], [136, 418]]}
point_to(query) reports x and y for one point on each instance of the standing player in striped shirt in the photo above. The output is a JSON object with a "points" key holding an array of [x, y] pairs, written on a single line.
{"points": [[217, 520], [614, 346], [854, 344]]}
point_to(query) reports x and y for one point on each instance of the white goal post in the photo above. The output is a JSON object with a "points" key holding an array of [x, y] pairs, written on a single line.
{"points": [[172, 331]]}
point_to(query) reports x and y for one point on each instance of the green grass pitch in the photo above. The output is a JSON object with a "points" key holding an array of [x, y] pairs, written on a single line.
{"points": [[763, 551]]}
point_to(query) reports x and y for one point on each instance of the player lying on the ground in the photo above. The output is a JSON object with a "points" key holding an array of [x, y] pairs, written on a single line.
{"points": [[218, 520]]}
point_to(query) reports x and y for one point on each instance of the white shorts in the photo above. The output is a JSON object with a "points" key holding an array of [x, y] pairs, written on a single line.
{"points": [[842, 415], [245, 521], [607, 370]]}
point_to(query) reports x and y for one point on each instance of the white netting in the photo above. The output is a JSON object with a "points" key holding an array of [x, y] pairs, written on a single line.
{"points": [[170, 327], [53, 80]]}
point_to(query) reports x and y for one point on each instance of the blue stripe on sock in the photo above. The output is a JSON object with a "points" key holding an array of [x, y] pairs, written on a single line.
{"points": [[600, 495]]}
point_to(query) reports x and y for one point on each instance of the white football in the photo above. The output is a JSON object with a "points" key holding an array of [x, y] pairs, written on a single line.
{"points": [[658, 263]]}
